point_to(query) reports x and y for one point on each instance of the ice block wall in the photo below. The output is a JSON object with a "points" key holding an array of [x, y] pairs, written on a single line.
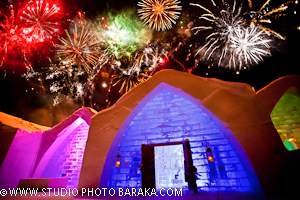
{"points": [[169, 117]]}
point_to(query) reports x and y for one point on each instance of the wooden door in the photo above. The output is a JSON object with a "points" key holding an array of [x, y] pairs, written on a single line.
{"points": [[147, 167], [190, 170]]}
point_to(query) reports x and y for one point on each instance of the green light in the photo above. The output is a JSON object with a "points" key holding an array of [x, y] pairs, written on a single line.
{"points": [[127, 32], [290, 146]]}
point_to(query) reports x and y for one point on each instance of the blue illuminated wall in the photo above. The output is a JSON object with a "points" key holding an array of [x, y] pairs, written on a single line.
{"points": [[169, 117]]}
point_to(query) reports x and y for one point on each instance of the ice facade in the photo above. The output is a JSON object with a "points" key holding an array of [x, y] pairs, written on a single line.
{"points": [[169, 117], [67, 159], [286, 119]]}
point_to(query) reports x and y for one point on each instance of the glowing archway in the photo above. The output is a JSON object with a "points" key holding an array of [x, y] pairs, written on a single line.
{"points": [[168, 114]]}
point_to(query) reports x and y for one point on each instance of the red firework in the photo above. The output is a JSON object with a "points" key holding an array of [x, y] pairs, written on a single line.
{"points": [[28, 35], [12, 50], [40, 21]]}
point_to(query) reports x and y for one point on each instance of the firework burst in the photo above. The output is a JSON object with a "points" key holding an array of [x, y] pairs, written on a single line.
{"points": [[39, 21], [81, 48], [145, 60], [19, 35], [123, 34], [159, 14], [65, 79], [223, 28], [117, 40], [13, 48], [248, 46], [128, 80], [263, 16], [138, 69]]}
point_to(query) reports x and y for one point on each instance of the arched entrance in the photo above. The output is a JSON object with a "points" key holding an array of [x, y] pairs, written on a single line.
{"points": [[165, 115]]}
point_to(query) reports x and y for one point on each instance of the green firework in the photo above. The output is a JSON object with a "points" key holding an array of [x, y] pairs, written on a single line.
{"points": [[123, 33]]}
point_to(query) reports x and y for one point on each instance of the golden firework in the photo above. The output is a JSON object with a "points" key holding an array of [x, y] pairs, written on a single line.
{"points": [[159, 14], [128, 81], [263, 15], [81, 49]]}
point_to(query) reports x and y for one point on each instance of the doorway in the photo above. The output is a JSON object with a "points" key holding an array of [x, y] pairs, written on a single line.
{"points": [[173, 116], [168, 165]]}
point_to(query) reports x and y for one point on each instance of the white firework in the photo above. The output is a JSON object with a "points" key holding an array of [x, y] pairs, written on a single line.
{"points": [[223, 27], [65, 80], [248, 46], [148, 58]]}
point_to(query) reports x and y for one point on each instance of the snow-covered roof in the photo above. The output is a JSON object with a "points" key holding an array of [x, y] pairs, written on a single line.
{"points": [[16, 122]]}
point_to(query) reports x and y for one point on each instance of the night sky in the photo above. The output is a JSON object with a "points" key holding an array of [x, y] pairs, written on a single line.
{"points": [[27, 98]]}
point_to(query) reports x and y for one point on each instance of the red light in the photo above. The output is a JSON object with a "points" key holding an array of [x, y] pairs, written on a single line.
{"points": [[76, 51], [210, 159], [161, 60], [209, 155], [79, 13], [118, 160]]}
